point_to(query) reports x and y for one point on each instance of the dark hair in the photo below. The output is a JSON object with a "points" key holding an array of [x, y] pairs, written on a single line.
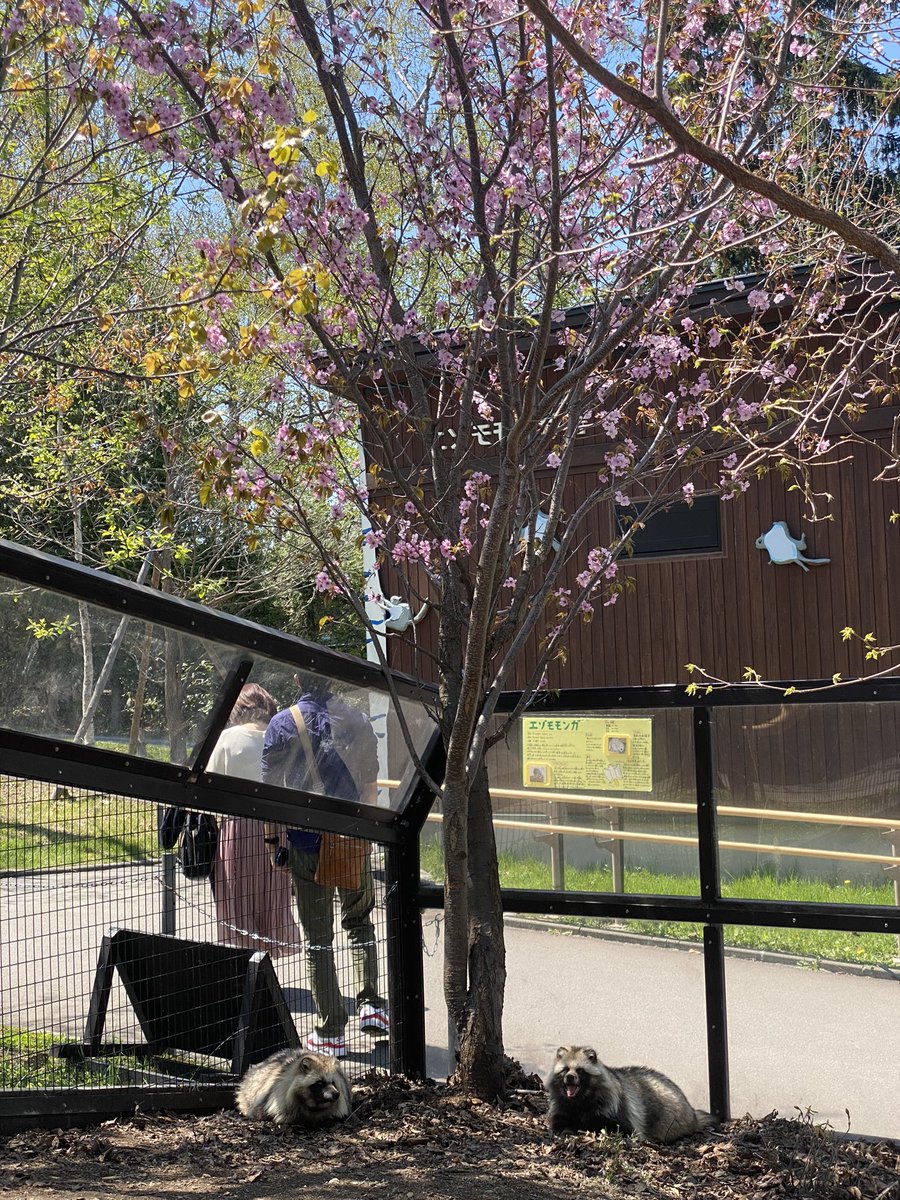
{"points": [[253, 704]]}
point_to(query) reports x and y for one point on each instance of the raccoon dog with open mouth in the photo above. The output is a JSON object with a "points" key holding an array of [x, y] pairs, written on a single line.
{"points": [[585, 1094], [295, 1087]]}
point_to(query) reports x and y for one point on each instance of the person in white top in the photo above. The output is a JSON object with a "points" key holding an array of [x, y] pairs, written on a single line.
{"points": [[254, 908]]}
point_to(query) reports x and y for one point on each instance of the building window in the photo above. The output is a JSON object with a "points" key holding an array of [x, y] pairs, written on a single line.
{"points": [[679, 529]]}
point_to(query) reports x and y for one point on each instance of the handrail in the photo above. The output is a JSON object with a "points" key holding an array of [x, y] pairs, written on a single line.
{"points": [[678, 806], [672, 839], [729, 810]]}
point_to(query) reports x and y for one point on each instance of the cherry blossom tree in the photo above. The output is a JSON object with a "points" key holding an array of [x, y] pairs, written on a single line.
{"points": [[468, 237]]}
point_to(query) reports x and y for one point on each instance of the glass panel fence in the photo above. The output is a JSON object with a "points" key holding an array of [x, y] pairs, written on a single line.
{"points": [[808, 800], [372, 736], [81, 673], [812, 1043], [591, 802]]}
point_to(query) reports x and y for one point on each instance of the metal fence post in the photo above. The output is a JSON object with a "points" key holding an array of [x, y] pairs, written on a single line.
{"points": [[713, 941], [557, 852], [617, 853], [406, 977], [893, 836], [612, 815], [167, 895]]}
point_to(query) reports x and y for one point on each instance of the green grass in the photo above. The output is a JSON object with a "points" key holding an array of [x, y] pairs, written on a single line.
{"points": [[808, 943], [77, 829], [27, 1062], [156, 751]]}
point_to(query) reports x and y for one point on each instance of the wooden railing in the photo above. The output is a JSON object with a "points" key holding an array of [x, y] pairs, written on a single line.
{"points": [[613, 838]]}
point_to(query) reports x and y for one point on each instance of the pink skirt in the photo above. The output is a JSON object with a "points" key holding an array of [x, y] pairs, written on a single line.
{"points": [[254, 905]]}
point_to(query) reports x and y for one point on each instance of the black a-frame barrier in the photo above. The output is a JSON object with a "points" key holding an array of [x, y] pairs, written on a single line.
{"points": [[397, 829], [162, 976]]}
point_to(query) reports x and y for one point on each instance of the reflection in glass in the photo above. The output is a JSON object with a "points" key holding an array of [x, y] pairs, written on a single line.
{"points": [[591, 801], [361, 753], [807, 798], [78, 672]]}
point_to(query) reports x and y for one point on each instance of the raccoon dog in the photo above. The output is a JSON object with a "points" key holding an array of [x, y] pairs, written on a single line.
{"points": [[585, 1094], [295, 1087]]}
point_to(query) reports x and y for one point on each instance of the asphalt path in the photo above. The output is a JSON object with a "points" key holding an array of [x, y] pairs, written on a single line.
{"points": [[798, 1038]]}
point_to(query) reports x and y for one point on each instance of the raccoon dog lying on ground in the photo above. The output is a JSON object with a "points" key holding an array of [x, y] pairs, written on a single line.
{"points": [[295, 1087], [585, 1094]]}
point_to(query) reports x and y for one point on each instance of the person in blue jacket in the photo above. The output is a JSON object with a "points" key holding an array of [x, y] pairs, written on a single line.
{"points": [[344, 746]]}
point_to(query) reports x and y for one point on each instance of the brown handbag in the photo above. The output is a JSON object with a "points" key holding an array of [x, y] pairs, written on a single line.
{"points": [[342, 860]]}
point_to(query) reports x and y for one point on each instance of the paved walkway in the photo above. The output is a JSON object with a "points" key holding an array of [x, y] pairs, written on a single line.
{"points": [[52, 925], [798, 1038]]}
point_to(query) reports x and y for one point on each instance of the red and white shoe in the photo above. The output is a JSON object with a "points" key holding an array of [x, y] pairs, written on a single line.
{"points": [[327, 1045], [373, 1019]]}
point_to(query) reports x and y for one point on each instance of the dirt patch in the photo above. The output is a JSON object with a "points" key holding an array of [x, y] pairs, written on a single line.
{"points": [[421, 1141]]}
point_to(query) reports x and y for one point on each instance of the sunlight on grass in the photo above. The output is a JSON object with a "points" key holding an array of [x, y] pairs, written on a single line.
{"points": [[874, 948], [27, 1061], [39, 829]]}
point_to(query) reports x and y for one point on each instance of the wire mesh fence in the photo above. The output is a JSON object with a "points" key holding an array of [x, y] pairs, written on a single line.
{"points": [[123, 963]]}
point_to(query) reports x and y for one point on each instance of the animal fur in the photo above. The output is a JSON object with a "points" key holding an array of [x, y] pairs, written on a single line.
{"points": [[585, 1094], [295, 1087]]}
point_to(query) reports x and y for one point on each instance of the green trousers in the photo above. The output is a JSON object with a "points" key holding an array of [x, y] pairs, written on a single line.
{"points": [[315, 907]]}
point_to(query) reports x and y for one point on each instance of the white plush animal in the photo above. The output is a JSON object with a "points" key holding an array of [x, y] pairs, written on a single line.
{"points": [[783, 548], [399, 615]]}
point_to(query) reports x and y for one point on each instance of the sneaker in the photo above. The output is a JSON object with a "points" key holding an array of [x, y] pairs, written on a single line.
{"points": [[373, 1019], [327, 1045]]}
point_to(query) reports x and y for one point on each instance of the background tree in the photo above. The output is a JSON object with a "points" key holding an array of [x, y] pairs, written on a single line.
{"points": [[96, 461], [466, 243]]}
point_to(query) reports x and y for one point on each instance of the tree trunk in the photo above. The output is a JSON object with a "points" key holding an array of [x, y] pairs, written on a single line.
{"points": [[481, 1058], [174, 709], [84, 619], [455, 800], [134, 737], [173, 688], [474, 952]]}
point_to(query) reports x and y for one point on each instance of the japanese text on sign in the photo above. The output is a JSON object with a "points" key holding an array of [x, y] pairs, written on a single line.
{"points": [[587, 753]]}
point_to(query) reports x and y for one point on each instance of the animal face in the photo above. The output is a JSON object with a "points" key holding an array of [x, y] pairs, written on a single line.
{"points": [[314, 1081], [573, 1069], [323, 1094]]}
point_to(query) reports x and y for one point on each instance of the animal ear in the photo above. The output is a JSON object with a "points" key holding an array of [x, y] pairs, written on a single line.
{"points": [[305, 1063], [562, 1052], [591, 1055]]}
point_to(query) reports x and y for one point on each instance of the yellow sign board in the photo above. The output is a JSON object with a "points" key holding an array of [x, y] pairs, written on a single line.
{"points": [[587, 754]]}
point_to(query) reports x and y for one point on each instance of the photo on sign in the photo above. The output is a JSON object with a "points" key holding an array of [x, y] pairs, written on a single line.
{"points": [[539, 774], [618, 745]]}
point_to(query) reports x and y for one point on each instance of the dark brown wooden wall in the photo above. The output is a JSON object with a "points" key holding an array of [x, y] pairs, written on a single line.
{"points": [[733, 610]]}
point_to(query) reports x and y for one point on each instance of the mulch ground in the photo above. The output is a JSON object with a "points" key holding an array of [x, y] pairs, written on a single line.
{"points": [[424, 1141]]}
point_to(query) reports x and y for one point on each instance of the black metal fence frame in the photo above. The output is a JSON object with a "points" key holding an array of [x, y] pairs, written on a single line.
{"points": [[59, 761], [710, 908], [56, 760]]}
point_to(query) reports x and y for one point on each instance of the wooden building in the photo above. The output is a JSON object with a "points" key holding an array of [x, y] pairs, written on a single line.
{"points": [[704, 592]]}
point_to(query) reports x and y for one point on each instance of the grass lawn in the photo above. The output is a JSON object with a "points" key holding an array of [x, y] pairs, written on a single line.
{"points": [[75, 829], [810, 943], [27, 1061]]}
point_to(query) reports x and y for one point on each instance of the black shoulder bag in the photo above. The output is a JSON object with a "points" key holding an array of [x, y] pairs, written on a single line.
{"points": [[199, 842]]}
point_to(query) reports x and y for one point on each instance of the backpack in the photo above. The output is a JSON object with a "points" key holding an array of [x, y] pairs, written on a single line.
{"points": [[199, 842]]}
